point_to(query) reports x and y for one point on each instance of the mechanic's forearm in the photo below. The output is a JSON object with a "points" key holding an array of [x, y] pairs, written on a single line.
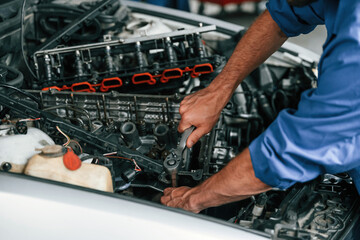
{"points": [[261, 40], [236, 181]]}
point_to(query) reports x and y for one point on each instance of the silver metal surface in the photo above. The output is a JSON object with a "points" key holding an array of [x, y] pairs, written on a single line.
{"points": [[178, 159], [184, 137], [126, 41], [34, 209]]}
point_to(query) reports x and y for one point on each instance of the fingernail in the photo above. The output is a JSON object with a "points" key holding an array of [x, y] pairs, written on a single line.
{"points": [[191, 143]]}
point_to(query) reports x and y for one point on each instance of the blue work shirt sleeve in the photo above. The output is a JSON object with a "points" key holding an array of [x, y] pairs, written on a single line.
{"points": [[323, 134], [294, 21], [300, 145]]}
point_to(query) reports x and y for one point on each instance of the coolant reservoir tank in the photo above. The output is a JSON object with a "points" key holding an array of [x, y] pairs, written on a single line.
{"points": [[59, 164], [16, 150]]}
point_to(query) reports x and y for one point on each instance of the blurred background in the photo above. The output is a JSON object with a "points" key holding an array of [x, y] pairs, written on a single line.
{"points": [[242, 12]]}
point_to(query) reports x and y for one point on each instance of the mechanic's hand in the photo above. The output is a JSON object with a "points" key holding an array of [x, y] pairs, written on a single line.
{"points": [[179, 198], [202, 110]]}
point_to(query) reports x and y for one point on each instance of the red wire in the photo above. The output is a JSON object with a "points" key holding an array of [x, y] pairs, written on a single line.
{"points": [[137, 168]]}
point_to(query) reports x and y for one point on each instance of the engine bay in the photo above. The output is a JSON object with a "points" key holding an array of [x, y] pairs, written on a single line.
{"points": [[105, 82]]}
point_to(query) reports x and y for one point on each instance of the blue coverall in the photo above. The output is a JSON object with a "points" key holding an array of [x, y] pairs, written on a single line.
{"points": [[323, 134]]}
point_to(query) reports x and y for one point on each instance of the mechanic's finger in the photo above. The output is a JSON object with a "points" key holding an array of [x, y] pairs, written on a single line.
{"points": [[184, 101], [175, 203], [186, 98], [187, 102], [175, 194], [179, 192], [167, 191], [195, 136], [182, 109], [165, 199], [183, 125]]}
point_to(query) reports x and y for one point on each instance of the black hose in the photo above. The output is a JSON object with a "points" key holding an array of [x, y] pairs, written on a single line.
{"points": [[285, 100], [16, 78], [22, 39]]}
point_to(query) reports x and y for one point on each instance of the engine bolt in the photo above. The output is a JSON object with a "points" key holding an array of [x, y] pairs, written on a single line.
{"points": [[171, 162]]}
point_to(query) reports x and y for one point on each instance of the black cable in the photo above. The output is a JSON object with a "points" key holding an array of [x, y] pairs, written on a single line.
{"points": [[22, 39], [32, 97]]}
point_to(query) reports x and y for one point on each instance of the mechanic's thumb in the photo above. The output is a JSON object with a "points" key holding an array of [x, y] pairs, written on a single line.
{"points": [[195, 136], [183, 126]]}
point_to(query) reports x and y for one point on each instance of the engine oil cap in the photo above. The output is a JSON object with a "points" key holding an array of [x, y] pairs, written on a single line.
{"points": [[71, 160]]}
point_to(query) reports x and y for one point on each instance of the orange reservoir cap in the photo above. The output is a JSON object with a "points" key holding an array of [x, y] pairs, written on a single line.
{"points": [[71, 160]]}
